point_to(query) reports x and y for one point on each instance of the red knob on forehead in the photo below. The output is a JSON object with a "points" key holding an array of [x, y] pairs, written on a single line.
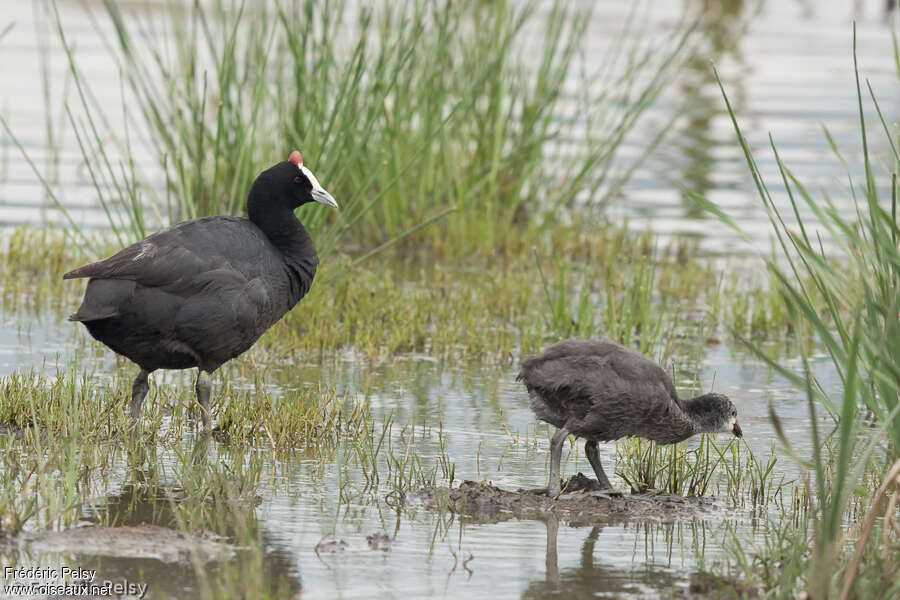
{"points": [[295, 158]]}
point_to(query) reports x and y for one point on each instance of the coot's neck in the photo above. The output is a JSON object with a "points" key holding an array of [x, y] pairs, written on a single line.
{"points": [[285, 231], [679, 425], [287, 234]]}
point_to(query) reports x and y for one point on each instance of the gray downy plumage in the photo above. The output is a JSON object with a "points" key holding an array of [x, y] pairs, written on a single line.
{"points": [[601, 391], [201, 292]]}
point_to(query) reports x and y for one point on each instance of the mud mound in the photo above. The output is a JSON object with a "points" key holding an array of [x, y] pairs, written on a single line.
{"points": [[582, 502], [140, 541]]}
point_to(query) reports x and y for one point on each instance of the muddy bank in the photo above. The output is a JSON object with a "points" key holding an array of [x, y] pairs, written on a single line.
{"points": [[581, 503], [709, 586], [139, 541]]}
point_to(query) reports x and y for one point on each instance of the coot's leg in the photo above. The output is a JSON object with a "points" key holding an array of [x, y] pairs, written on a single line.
{"points": [[556, 445], [590, 449], [138, 393], [203, 388]]}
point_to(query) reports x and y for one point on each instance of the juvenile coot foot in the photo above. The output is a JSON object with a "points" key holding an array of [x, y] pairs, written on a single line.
{"points": [[601, 391], [201, 292]]}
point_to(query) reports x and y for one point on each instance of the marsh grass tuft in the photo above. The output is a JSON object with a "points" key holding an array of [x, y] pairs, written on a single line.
{"points": [[316, 416], [859, 284], [700, 468], [408, 113]]}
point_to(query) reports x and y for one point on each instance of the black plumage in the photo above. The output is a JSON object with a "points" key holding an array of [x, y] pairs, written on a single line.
{"points": [[602, 391], [201, 292]]}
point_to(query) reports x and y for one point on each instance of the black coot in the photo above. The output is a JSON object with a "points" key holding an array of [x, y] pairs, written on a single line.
{"points": [[201, 292], [601, 391]]}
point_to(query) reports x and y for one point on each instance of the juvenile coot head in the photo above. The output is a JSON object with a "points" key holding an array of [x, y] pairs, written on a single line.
{"points": [[714, 413]]}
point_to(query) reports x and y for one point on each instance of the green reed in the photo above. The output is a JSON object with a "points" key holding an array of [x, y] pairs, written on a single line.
{"points": [[407, 113], [850, 299], [700, 468]]}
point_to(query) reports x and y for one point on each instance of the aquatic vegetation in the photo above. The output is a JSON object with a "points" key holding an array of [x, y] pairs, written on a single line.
{"points": [[393, 304], [459, 122], [860, 329], [69, 460], [861, 296], [706, 467]]}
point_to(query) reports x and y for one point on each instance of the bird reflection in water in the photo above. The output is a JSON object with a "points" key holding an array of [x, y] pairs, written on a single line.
{"points": [[592, 578]]}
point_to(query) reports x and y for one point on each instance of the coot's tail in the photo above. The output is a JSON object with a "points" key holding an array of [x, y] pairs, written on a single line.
{"points": [[103, 299]]}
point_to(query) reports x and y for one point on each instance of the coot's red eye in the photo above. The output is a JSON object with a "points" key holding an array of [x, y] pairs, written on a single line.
{"points": [[297, 179]]}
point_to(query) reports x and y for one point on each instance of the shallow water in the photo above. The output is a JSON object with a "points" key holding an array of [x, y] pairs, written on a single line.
{"points": [[469, 404]]}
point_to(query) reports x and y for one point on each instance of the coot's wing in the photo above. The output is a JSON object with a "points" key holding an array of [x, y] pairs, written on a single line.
{"points": [[224, 319], [174, 257], [156, 275], [603, 396], [601, 358]]}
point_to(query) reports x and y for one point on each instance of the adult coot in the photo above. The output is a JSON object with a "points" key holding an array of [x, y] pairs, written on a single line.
{"points": [[601, 391], [201, 292]]}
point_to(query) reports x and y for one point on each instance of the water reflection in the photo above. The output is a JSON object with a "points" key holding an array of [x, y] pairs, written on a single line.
{"points": [[593, 578], [144, 500], [723, 27]]}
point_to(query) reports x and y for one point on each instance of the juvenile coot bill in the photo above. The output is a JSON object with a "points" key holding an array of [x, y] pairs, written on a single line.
{"points": [[601, 391], [201, 292]]}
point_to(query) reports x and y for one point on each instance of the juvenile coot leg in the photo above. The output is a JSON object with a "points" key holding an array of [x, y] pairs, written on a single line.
{"points": [[203, 388], [590, 450], [556, 445], [138, 392]]}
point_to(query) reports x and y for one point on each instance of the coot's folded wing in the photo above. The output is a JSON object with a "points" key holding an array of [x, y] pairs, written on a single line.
{"points": [[174, 257], [609, 393]]}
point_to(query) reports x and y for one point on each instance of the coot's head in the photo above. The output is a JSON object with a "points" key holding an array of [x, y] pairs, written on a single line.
{"points": [[714, 413], [288, 184]]}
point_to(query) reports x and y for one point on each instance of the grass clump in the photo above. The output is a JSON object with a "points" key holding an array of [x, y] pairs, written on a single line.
{"points": [[63, 405], [700, 468], [428, 111], [308, 418], [859, 284], [674, 469]]}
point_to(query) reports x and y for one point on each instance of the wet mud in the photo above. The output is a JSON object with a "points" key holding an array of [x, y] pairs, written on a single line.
{"points": [[137, 541], [581, 503]]}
